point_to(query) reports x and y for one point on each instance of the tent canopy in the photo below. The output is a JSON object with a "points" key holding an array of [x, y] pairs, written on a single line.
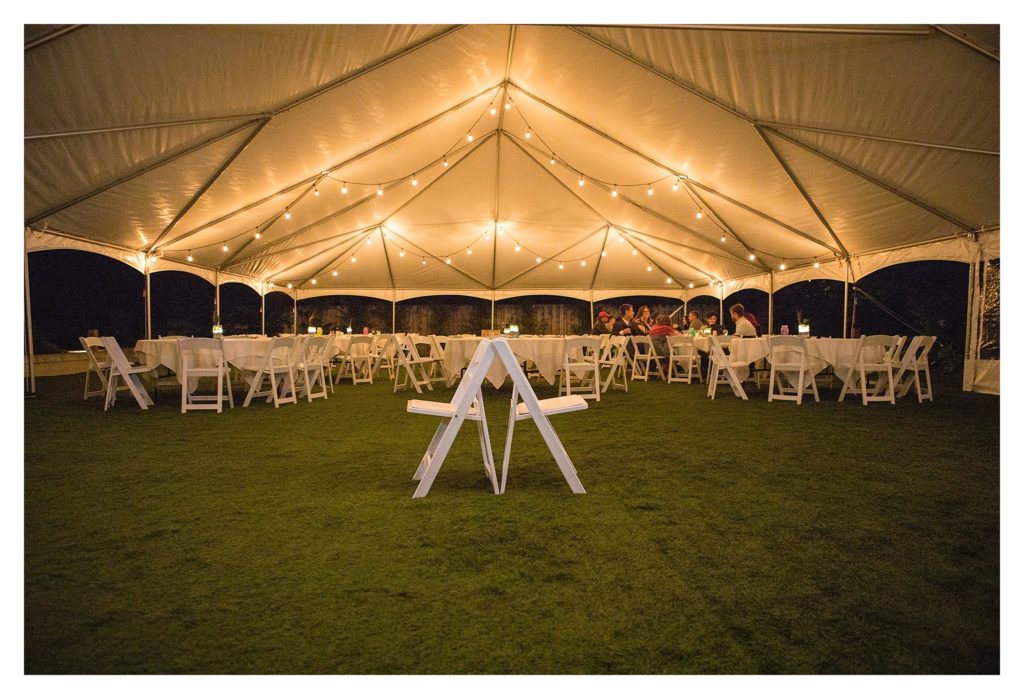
{"points": [[502, 160]]}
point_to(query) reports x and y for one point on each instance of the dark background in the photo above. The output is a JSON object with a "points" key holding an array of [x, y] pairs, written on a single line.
{"points": [[74, 291]]}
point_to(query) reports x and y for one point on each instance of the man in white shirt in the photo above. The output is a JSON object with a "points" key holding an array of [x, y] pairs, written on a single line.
{"points": [[744, 328]]}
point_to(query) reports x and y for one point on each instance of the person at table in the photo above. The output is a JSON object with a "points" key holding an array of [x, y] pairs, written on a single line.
{"points": [[625, 319], [693, 321], [641, 324], [603, 324], [662, 327], [744, 328], [715, 327], [753, 321]]}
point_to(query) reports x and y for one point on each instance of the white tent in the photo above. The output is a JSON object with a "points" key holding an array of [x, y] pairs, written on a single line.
{"points": [[498, 161]]}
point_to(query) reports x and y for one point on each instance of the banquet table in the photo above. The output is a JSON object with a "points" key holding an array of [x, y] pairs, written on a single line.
{"points": [[246, 353], [545, 351], [839, 353]]}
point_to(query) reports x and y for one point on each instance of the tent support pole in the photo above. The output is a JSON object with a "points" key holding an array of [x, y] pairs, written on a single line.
{"points": [[263, 310], [216, 294], [972, 273], [846, 299], [149, 306], [591, 308], [31, 378], [492, 310], [771, 301], [295, 312], [721, 304], [394, 305]]}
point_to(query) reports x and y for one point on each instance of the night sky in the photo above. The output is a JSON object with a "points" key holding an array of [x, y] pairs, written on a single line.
{"points": [[73, 292]]}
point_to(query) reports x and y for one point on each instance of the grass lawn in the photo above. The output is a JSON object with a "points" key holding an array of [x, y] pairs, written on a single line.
{"points": [[715, 537]]}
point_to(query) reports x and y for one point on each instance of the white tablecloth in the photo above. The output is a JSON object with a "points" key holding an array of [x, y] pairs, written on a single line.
{"points": [[544, 351], [246, 353], [838, 353]]}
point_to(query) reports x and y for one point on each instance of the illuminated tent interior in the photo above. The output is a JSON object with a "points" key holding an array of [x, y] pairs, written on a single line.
{"points": [[498, 161]]}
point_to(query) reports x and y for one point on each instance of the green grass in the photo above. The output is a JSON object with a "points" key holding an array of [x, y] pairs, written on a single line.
{"points": [[715, 537]]}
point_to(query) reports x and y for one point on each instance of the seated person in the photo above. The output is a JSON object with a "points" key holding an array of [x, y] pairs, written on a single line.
{"points": [[623, 323], [753, 321], [716, 327], [744, 328], [603, 324], [641, 324], [661, 329], [693, 321]]}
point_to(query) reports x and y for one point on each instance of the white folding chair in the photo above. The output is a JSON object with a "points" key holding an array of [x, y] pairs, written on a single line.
{"points": [[359, 360], [99, 364], [867, 365], [723, 370], [415, 368], [121, 371], [382, 354], [203, 357], [613, 358], [429, 352], [643, 354], [788, 354], [450, 411], [278, 370], [682, 359], [911, 365], [580, 371], [310, 370]]}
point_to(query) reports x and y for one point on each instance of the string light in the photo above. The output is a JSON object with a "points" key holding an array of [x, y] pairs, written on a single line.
{"points": [[817, 264], [561, 266], [469, 251], [528, 134], [257, 236], [423, 261], [334, 273], [289, 285], [635, 251], [469, 138], [380, 191], [225, 247], [690, 285], [487, 236], [414, 180], [583, 263], [494, 110], [401, 253], [582, 182], [287, 214], [552, 161], [344, 188], [650, 190], [271, 285], [782, 265], [604, 253], [700, 214], [446, 162], [369, 241], [313, 281], [752, 257], [615, 190], [518, 247], [508, 104], [650, 268], [189, 258], [353, 260], [538, 260], [675, 186], [316, 193], [722, 239], [668, 280], [448, 261]]}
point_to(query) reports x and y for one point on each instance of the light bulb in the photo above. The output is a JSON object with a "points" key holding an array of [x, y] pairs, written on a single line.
{"points": [[649, 268], [508, 104], [494, 110], [528, 134], [225, 247], [287, 213], [401, 253], [561, 265], [313, 281], [344, 188], [423, 261], [446, 162], [700, 214], [621, 239], [353, 260], [369, 240], [583, 263], [552, 161], [782, 265], [189, 258], [380, 191], [675, 186], [487, 236], [271, 285], [751, 257], [722, 239], [518, 247], [334, 273], [615, 191], [690, 285], [448, 261], [316, 193], [668, 280], [469, 251], [604, 253], [257, 236], [289, 285], [582, 182], [415, 181], [538, 260], [469, 138], [634, 251], [650, 191], [817, 264]]}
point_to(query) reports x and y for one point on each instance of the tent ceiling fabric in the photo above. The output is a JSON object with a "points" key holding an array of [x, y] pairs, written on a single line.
{"points": [[705, 153]]}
